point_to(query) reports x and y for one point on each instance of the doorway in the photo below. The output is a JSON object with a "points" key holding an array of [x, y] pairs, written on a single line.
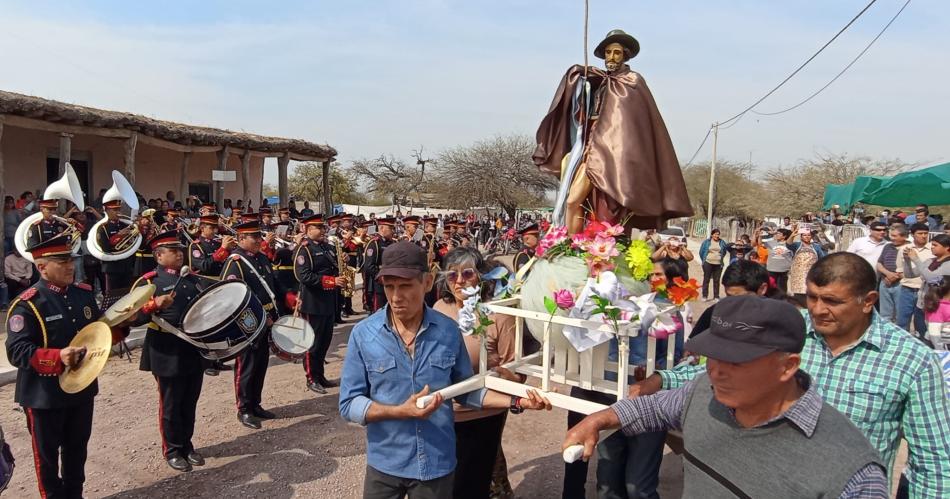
{"points": [[82, 172]]}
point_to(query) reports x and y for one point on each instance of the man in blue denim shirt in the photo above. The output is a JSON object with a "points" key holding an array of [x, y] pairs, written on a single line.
{"points": [[395, 357]]}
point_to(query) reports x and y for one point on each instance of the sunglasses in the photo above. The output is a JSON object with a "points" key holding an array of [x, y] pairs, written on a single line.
{"points": [[467, 275]]}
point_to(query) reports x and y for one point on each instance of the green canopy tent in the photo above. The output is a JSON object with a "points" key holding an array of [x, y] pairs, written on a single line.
{"points": [[847, 195], [929, 186]]}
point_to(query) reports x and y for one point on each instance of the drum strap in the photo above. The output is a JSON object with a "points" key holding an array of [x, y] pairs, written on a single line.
{"points": [[163, 325]]}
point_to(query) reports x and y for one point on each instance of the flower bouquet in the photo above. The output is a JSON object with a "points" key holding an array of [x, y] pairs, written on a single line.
{"points": [[606, 272]]}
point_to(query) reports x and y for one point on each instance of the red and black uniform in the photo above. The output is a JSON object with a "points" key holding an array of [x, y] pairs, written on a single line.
{"points": [[43, 230], [251, 365], [41, 322], [206, 257], [118, 273], [316, 269], [144, 260], [177, 365], [372, 261], [350, 257], [287, 284]]}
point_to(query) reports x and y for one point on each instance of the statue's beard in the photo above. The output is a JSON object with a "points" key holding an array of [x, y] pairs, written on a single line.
{"points": [[613, 66]]}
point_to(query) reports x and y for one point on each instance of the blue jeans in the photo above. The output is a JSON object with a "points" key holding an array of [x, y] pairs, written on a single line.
{"points": [[889, 299], [907, 309]]}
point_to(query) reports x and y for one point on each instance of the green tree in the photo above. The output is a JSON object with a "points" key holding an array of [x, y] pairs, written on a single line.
{"points": [[306, 183], [738, 194]]}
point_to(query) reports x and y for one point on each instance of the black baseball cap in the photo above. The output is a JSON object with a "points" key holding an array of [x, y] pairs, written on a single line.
{"points": [[744, 328], [877, 225], [404, 259]]}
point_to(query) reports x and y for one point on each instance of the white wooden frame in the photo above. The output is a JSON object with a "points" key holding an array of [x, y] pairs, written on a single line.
{"points": [[563, 365]]}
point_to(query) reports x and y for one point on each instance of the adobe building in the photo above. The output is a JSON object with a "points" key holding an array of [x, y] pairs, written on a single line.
{"points": [[38, 136]]}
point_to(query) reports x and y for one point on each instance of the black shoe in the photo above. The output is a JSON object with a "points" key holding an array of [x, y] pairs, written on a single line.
{"points": [[211, 371], [315, 387], [263, 413], [349, 312], [221, 366], [326, 383], [179, 463], [195, 458], [249, 420]]}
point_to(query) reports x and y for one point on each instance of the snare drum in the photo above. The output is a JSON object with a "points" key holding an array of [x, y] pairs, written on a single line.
{"points": [[290, 338], [224, 319]]}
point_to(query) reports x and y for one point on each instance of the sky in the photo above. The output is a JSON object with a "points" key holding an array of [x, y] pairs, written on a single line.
{"points": [[386, 77]]}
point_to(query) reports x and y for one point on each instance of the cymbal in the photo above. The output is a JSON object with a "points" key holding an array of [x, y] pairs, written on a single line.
{"points": [[97, 338], [128, 305]]}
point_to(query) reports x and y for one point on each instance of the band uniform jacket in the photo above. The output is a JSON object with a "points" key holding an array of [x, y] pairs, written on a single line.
{"points": [[107, 237], [42, 230], [201, 257], [372, 261], [284, 272], [41, 322], [163, 353], [144, 259], [522, 258], [315, 268], [236, 269]]}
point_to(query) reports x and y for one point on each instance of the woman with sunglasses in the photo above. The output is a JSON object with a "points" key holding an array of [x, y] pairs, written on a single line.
{"points": [[477, 432]]}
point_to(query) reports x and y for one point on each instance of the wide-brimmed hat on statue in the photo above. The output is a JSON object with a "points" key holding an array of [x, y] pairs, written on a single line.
{"points": [[618, 36]]}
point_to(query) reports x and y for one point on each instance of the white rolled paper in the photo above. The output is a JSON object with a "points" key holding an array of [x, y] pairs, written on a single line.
{"points": [[450, 392], [573, 453]]}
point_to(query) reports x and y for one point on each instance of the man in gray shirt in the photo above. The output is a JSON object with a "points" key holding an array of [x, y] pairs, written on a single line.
{"points": [[753, 425]]}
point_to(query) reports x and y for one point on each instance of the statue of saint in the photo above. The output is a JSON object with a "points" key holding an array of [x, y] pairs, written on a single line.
{"points": [[604, 137]]}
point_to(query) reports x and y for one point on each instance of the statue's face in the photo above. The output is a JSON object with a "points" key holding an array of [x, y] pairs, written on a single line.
{"points": [[614, 56]]}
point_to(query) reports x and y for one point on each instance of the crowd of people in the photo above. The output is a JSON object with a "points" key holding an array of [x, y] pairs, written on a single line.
{"points": [[860, 353]]}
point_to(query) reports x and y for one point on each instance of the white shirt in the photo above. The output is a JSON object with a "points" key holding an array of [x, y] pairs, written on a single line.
{"points": [[867, 248]]}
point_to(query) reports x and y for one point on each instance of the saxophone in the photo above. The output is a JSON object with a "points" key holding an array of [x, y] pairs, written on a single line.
{"points": [[345, 270]]}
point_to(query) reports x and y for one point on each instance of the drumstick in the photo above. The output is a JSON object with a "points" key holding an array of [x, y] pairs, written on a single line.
{"points": [[185, 270]]}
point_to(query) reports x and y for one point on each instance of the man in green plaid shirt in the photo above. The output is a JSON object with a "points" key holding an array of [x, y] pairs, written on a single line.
{"points": [[889, 384]]}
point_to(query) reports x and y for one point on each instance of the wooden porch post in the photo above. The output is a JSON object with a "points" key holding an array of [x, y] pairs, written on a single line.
{"points": [[219, 186], [3, 185], [183, 185], [282, 193], [130, 144], [65, 151], [246, 177], [327, 197]]}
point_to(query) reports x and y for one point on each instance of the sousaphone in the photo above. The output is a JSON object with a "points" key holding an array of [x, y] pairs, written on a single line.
{"points": [[66, 187], [131, 239]]}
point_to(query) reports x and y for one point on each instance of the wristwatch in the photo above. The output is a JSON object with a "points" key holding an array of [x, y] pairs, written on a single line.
{"points": [[515, 406]]}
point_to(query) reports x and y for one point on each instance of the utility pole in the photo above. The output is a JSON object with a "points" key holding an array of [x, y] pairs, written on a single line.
{"points": [[712, 182]]}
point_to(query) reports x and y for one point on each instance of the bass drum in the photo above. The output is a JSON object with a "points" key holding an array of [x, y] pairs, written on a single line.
{"points": [[290, 338], [224, 319]]}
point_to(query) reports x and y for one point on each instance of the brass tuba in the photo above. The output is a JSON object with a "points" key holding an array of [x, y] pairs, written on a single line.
{"points": [[66, 187], [131, 239]]}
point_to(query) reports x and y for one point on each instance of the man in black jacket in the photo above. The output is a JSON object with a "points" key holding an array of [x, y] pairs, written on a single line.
{"points": [[316, 269], [373, 259], [176, 364], [41, 323]]}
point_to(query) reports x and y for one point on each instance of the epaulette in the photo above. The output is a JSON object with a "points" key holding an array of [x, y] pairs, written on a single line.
{"points": [[37, 222], [82, 285], [148, 275], [29, 293], [304, 242]]}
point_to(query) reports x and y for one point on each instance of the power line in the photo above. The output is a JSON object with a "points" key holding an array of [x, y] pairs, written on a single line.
{"points": [[820, 90], [700, 148], [802, 66]]}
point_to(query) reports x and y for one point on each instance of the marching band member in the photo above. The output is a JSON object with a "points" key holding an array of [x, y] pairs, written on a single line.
{"points": [[334, 225], [287, 285], [176, 364], [372, 259], [316, 269], [284, 214], [46, 227], [172, 222], [206, 255], [529, 239], [144, 262], [431, 247], [411, 223], [41, 322], [346, 222], [118, 273], [267, 218], [207, 209], [350, 249], [251, 365]]}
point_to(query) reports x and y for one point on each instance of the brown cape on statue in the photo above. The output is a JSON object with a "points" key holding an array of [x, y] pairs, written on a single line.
{"points": [[629, 169]]}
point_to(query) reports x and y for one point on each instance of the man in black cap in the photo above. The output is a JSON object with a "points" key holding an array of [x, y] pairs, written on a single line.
{"points": [[248, 264], [373, 259], [118, 272], [41, 323], [46, 227], [316, 269], [752, 417], [176, 364], [529, 241]]}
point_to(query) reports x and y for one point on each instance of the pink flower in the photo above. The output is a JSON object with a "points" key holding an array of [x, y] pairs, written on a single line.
{"points": [[597, 265], [579, 241], [603, 247], [564, 299], [612, 230]]}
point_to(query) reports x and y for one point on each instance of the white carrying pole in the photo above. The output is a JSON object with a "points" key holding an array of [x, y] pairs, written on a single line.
{"points": [[712, 183]]}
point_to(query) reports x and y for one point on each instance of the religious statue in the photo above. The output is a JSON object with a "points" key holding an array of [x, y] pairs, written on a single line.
{"points": [[604, 137]]}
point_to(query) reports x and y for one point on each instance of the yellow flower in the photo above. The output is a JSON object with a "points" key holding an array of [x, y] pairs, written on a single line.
{"points": [[639, 261]]}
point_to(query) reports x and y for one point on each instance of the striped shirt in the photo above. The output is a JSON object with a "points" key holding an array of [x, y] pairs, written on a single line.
{"points": [[664, 411], [891, 386]]}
